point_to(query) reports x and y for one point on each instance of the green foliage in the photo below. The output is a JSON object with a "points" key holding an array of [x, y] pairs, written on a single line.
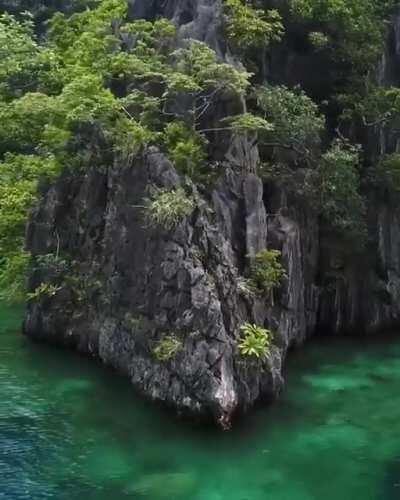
{"points": [[167, 348], [376, 105], [19, 176], [131, 137], [24, 64], [82, 284], [85, 41], [356, 31], [247, 122], [58, 106], [388, 172], [84, 99], [266, 272], [249, 27], [100, 88], [13, 271], [53, 264], [355, 27], [296, 120], [43, 290], [337, 186], [186, 148], [199, 62], [168, 208], [318, 40], [255, 341]]}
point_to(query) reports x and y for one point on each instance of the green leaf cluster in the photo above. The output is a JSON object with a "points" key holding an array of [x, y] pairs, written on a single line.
{"points": [[98, 88], [167, 348], [249, 27], [296, 120], [255, 341], [388, 172], [353, 35], [19, 177], [337, 187], [186, 149], [167, 208], [354, 28], [266, 271], [43, 290], [248, 122]]}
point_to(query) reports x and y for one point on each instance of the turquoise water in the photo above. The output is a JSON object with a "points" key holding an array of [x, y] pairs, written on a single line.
{"points": [[71, 429]]}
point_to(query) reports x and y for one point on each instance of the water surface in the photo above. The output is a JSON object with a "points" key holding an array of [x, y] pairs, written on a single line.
{"points": [[71, 429]]}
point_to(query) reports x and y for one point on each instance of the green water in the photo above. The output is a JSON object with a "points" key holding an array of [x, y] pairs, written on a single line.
{"points": [[71, 429]]}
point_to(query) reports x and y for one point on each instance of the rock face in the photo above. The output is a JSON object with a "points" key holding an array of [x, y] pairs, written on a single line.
{"points": [[156, 282], [139, 283]]}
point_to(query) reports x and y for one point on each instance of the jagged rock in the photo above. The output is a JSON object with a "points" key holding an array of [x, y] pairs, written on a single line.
{"points": [[200, 19], [183, 282], [142, 283]]}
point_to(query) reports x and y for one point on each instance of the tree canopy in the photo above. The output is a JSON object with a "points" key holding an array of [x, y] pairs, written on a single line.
{"points": [[129, 84]]}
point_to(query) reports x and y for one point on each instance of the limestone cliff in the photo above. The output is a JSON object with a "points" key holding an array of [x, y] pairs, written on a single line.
{"points": [[143, 282]]}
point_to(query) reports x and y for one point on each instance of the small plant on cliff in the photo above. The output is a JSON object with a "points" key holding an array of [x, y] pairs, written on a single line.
{"points": [[255, 341], [44, 290], [266, 271], [167, 208], [318, 40], [52, 263], [167, 347], [186, 148]]}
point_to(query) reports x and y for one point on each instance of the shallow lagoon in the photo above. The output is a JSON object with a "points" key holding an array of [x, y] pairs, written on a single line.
{"points": [[72, 429]]}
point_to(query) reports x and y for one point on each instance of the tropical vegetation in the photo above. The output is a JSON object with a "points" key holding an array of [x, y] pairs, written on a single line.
{"points": [[93, 88]]}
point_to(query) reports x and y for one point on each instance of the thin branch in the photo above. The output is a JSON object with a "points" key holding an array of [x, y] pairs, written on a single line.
{"points": [[216, 129], [127, 112], [379, 121]]}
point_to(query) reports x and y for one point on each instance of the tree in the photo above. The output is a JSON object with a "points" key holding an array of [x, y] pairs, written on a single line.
{"points": [[354, 28], [337, 185], [197, 73], [296, 121], [24, 64], [248, 27], [19, 176]]}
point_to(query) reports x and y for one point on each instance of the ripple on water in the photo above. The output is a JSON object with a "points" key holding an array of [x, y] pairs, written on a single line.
{"points": [[70, 429]]}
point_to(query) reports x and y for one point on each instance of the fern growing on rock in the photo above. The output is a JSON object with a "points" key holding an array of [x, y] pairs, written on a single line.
{"points": [[167, 348], [266, 270], [168, 208], [255, 341]]}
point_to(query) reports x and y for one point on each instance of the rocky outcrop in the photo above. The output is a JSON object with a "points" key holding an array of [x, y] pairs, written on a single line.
{"points": [[133, 284], [141, 283], [199, 19], [361, 291], [155, 283]]}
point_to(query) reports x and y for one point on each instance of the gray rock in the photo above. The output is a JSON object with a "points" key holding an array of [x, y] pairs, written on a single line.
{"points": [[141, 283]]}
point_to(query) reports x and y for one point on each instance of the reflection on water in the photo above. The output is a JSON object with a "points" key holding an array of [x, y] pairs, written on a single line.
{"points": [[72, 429]]}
